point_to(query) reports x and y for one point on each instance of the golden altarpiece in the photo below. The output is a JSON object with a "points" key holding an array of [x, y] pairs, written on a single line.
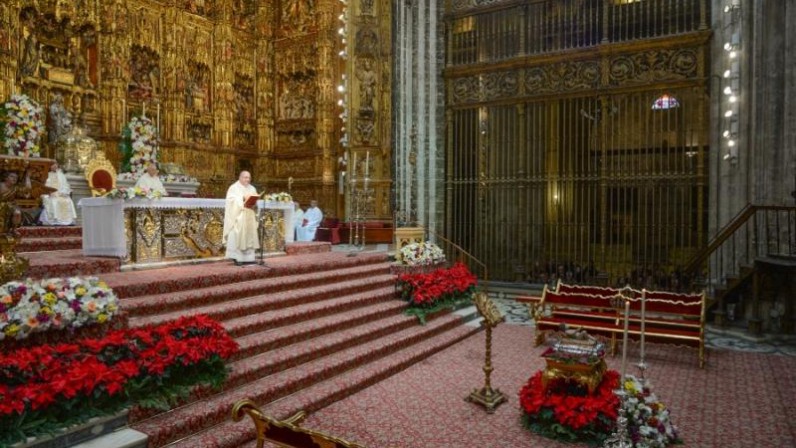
{"points": [[232, 84]]}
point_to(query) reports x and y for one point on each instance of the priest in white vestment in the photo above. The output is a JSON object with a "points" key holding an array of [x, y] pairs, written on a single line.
{"points": [[298, 220], [59, 209], [312, 219], [240, 222], [151, 180]]}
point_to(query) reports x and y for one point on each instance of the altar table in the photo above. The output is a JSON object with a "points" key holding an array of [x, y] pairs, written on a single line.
{"points": [[169, 229]]}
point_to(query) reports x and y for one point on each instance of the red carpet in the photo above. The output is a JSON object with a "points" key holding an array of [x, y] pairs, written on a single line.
{"points": [[46, 238], [313, 329], [741, 400]]}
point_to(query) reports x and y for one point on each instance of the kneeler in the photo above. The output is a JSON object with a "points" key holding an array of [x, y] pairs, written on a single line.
{"points": [[286, 433]]}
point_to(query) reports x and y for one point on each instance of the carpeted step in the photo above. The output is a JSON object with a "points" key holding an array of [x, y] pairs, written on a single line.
{"points": [[229, 434], [68, 263], [165, 303], [308, 247], [50, 244], [244, 316], [50, 231], [255, 343], [183, 421], [202, 275], [293, 355]]}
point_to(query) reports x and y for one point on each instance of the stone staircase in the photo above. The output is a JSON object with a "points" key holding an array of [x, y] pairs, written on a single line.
{"points": [[312, 329]]}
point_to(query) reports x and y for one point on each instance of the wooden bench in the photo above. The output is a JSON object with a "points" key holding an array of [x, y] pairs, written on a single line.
{"points": [[286, 433], [669, 317]]}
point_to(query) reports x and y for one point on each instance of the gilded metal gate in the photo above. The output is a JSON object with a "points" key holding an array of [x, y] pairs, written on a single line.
{"points": [[578, 143]]}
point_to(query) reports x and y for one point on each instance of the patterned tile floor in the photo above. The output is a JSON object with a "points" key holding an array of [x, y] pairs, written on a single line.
{"points": [[732, 339]]}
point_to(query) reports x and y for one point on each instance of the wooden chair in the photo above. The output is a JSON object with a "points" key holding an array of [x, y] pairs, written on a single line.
{"points": [[286, 433], [101, 176]]}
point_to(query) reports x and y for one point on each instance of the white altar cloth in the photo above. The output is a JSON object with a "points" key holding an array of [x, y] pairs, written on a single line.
{"points": [[103, 220]]}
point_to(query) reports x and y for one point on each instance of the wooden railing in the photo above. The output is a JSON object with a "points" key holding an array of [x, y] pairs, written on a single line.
{"points": [[756, 231]]}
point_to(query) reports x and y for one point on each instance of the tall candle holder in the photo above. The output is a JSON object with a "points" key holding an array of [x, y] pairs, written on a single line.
{"points": [[362, 207]]}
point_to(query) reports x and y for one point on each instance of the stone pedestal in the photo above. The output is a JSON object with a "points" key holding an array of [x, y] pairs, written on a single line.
{"points": [[408, 235]]}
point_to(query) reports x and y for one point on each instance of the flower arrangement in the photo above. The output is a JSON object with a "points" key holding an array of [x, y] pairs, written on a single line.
{"points": [[168, 178], [436, 290], [278, 197], [41, 305], [51, 386], [22, 120], [649, 422], [565, 411], [421, 254], [133, 193], [139, 145]]}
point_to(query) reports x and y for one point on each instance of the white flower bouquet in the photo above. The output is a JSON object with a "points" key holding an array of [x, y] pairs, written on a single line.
{"points": [[143, 142], [278, 197], [23, 125], [133, 193], [40, 305], [649, 422], [421, 254]]}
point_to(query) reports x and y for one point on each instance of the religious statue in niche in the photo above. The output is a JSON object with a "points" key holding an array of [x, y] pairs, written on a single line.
{"points": [[144, 72], [60, 122], [297, 14], [80, 67], [367, 85], [197, 87], [367, 43], [29, 64], [116, 66]]}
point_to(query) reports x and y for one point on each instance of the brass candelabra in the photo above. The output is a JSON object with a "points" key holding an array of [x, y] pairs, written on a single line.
{"points": [[486, 396], [362, 206]]}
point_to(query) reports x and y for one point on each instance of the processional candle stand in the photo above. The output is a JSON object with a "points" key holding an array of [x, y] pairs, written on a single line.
{"points": [[620, 438], [486, 396]]}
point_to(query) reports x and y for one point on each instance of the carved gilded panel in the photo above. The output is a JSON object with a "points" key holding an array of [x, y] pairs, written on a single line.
{"points": [[562, 77], [653, 66], [485, 87]]}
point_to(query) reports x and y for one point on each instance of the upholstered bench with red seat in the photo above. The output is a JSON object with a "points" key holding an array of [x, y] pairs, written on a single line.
{"points": [[329, 231]]}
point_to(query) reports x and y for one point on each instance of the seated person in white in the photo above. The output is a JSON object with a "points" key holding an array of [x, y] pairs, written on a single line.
{"points": [[312, 219], [151, 180], [298, 220], [58, 207]]}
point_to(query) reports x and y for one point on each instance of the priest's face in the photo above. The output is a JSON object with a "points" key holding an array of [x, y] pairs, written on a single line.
{"points": [[54, 167], [245, 178]]}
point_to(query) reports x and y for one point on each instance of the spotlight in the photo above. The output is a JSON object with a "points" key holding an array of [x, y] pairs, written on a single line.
{"points": [[733, 54], [731, 143], [728, 114], [728, 90], [727, 73], [726, 133], [733, 98], [341, 88]]}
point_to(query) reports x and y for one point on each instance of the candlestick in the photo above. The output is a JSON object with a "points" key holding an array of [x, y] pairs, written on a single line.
{"points": [[143, 109], [354, 170], [367, 164], [624, 342], [157, 120], [124, 112], [643, 319]]}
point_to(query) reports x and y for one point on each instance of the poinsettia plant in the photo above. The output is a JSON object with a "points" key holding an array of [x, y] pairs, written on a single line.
{"points": [[429, 292], [52, 386], [564, 410]]}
